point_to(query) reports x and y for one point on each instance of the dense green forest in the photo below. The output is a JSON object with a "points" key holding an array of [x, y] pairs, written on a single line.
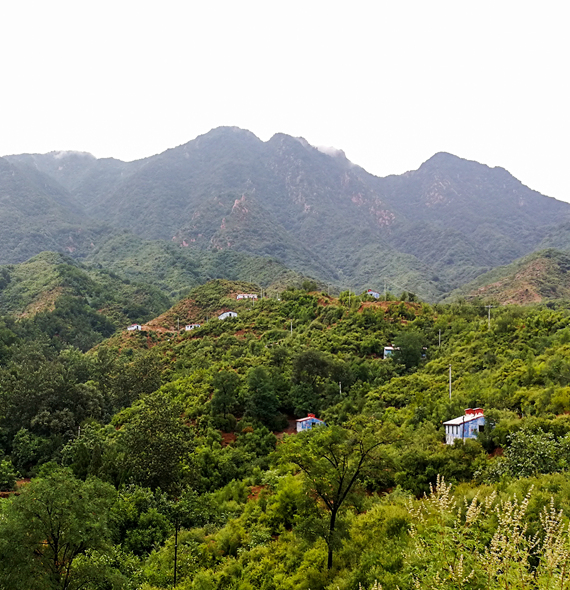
{"points": [[160, 447]]}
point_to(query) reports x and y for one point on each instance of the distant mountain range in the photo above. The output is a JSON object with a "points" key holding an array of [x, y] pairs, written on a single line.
{"points": [[429, 231]]}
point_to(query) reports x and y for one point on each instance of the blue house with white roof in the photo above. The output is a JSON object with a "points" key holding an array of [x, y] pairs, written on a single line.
{"points": [[466, 426], [308, 423]]}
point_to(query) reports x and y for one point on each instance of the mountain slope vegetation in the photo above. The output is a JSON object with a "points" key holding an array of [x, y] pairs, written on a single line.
{"points": [[430, 230], [163, 438], [55, 296], [538, 277]]}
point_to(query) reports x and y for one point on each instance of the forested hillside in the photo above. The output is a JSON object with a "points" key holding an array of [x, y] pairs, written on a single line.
{"points": [[178, 447], [428, 231], [541, 276], [54, 296]]}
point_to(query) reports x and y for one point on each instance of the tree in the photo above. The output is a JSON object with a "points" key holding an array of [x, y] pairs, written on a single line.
{"points": [[158, 443], [7, 475], [262, 403], [408, 349], [226, 384], [47, 528], [334, 460]]}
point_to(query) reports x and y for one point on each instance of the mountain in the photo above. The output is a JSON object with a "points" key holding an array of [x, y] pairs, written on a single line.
{"points": [[39, 214], [428, 231], [538, 277]]}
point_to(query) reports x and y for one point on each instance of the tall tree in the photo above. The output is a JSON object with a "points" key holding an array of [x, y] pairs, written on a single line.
{"points": [[262, 403], [158, 443], [47, 528], [226, 384], [334, 460]]}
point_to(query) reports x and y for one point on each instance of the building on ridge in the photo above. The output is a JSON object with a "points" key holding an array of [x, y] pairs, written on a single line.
{"points": [[134, 327], [192, 327]]}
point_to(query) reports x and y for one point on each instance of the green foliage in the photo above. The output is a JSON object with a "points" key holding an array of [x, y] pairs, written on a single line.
{"points": [[47, 528], [408, 349], [157, 444], [8, 475], [530, 453], [333, 460], [262, 402]]}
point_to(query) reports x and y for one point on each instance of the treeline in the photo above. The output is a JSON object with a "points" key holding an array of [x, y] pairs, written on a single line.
{"points": [[171, 436]]}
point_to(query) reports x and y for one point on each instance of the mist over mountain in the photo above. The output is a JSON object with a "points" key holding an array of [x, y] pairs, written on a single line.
{"points": [[428, 231]]}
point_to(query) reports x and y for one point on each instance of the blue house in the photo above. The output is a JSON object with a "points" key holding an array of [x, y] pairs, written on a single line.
{"points": [[308, 422], [466, 426]]}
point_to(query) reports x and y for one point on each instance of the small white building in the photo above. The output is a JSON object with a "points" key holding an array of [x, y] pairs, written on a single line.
{"points": [[308, 423], [191, 327], [134, 327], [373, 294], [227, 314], [246, 296], [388, 351], [466, 426]]}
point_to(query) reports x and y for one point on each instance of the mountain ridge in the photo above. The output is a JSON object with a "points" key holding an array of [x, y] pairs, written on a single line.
{"points": [[429, 230]]}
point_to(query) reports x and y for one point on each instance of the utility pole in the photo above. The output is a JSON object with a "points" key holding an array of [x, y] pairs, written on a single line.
{"points": [[340, 387], [449, 381], [291, 327], [489, 315], [178, 320], [440, 338]]}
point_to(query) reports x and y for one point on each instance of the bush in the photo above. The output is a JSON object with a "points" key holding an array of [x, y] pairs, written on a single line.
{"points": [[8, 476]]}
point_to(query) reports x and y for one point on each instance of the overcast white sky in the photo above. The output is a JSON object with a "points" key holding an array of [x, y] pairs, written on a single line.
{"points": [[389, 82]]}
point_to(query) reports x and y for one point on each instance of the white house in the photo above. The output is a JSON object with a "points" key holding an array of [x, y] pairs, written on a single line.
{"points": [[466, 426], [373, 294], [308, 422], [191, 327], [227, 314], [134, 327], [388, 351], [246, 296]]}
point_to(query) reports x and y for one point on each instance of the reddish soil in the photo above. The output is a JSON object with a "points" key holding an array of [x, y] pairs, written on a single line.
{"points": [[228, 438], [255, 492], [291, 428], [19, 484]]}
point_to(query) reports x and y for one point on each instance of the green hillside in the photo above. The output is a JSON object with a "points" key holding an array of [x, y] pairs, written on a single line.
{"points": [[156, 436], [539, 277], [53, 295], [175, 270], [38, 214]]}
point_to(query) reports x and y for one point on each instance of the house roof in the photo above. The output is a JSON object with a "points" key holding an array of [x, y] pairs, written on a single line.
{"points": [[463, 419], [308, 418]]}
